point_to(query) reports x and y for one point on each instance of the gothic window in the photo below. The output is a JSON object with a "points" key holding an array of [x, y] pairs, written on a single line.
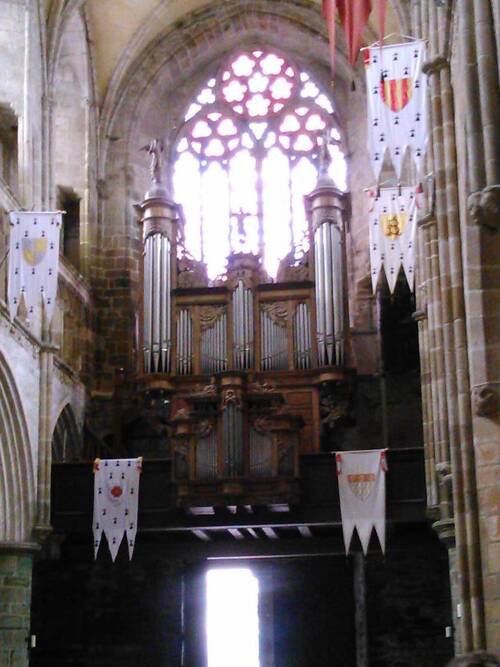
{"points": [[246, 155]]}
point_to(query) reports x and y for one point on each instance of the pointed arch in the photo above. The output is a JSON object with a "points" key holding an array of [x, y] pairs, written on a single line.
{"points": [[16, 466], [66, 440]]}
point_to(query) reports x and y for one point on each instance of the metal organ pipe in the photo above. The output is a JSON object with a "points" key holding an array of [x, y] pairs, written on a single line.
{"points": [[320, 296], [157, 304], [147, 305], [243, 326], [274, 343], [206, 456], [184, 342], [338, 292], [213, 345], [301, 337], [326, 205]]}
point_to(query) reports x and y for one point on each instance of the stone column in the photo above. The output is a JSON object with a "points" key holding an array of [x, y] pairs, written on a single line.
{"points": [[15, 599], [360, 613]]}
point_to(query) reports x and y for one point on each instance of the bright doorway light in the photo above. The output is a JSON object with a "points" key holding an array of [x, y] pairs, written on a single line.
{"points": [[232, 618]]}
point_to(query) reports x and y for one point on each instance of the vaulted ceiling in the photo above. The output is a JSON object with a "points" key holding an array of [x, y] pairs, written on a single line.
{"points": [[116, 25]]}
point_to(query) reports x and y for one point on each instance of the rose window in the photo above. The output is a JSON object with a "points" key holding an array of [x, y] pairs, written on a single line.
{"points": [[247, 154]]}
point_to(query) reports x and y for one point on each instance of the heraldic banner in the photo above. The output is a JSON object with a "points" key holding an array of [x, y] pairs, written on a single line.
{"points": [[33, 260], [393, 223], [116, 496], [396, 94], [361, 477]]}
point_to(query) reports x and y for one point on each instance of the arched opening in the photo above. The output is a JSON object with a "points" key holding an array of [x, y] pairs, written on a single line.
{"points": [[66, 441], [16, 471], [70, 132]]}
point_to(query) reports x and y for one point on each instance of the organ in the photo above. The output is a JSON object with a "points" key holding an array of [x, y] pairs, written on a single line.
{"points": [[244, 362]]}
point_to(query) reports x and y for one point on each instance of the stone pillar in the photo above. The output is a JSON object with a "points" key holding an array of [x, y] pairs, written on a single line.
{"points": [[15, 601], [360, 615]]}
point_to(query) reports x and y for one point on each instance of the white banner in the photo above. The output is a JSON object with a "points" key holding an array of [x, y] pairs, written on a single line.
{"points": [[397, 97], [361, 477], [116, 499], [393, 223], [33, 260]]}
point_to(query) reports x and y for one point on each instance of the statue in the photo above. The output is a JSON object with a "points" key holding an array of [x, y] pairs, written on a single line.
{"points": [[325, 158], [155, 149]]}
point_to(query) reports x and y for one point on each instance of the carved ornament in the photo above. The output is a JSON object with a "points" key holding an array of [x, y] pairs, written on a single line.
{"points": [[231, 398], [485, 400], [209, 316], [191, 273], [277, 312], [484, 208]]}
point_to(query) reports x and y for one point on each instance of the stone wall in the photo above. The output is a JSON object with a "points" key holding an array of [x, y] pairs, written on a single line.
{"points": [[15, 598]]}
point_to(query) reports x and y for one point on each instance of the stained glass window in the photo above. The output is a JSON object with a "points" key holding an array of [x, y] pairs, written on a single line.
{"points": [[246, 155]]}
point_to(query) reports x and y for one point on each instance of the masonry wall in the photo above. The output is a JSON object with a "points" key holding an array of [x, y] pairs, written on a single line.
{"points": [[15, 598]]}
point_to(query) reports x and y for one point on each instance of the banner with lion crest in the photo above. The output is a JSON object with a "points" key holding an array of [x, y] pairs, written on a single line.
{"points": [[361, 477], [33, 260], [396, 94], [392, 224]]}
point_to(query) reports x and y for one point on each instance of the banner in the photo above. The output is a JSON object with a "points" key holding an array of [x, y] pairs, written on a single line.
{"points": [[33, 260], [361, 477], [116, 499], [393, 223], [397, 97]]}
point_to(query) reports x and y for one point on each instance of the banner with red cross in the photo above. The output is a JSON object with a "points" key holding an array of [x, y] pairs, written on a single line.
{"points": [[116, 501]]}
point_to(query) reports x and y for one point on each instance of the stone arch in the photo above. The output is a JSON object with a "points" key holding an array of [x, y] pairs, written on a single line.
{"points": [[150, 91], [72, 131], [66, 440], [148, 97], [184, 53], [16, 467]]}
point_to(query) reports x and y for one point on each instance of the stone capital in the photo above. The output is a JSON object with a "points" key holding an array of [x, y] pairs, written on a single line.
{"points": [[445, 529], [435, 65], [484, 207], [486, 399], [420, 315], [426, 221], [19, 547]]}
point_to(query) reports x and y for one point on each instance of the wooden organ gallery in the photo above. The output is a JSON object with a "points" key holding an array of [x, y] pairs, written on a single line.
{"points": [[241, 360]]}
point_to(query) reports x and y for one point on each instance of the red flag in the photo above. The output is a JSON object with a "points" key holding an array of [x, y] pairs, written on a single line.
{"points": [[353, 16], [329, 12]]}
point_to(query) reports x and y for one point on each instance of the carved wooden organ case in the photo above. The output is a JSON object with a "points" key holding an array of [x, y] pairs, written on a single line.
{"points": [[244, 361]]}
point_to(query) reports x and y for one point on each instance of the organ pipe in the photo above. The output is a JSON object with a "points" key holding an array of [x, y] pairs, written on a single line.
{"points": [[159, 218], [184, 342], [260, 451], [157, 304], [206, 456], [243, 326], [273, 341], [326, 207], [302, 337], [232, 425], [213, 344]]}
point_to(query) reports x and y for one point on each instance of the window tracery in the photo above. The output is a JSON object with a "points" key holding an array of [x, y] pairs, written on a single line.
{"points": [[246, 155]]}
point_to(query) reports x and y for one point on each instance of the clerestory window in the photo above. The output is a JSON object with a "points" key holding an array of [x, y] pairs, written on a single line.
{"points": [[247, 154]]}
